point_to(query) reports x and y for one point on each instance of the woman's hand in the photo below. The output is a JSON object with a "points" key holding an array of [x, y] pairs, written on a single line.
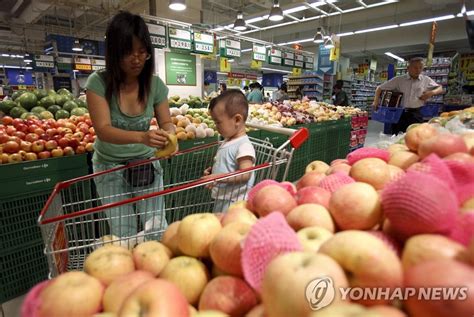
{"points": [[155, 138]]}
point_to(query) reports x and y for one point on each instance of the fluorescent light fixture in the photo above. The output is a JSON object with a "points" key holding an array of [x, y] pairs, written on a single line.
{"points": [[15, 67], [177, 5], [445, 17], [220, 28], [257, 19], [276, 14], [294, 10], [382, 3], [5, 55], [276, 70], [387, 27], [468, 13], [239, 24], [246, 50], [77, 46], [329, 44], [319, 36], [221, 73], [394, 56], [345, 34]]}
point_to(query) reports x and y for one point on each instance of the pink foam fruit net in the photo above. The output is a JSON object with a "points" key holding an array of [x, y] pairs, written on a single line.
{"points": [[268, 238]]}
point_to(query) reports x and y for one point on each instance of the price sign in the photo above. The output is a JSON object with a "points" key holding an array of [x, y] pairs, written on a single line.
{"points": [[157, 35], [259, 52], [229, 48], [203, 43], [179, 39]]}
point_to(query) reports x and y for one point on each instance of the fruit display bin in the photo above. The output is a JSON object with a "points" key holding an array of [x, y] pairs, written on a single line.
{"points": [[21, 269]]}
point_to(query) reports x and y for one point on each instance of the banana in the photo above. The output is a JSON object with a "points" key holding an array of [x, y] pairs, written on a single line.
{"points": [[170, 148]]}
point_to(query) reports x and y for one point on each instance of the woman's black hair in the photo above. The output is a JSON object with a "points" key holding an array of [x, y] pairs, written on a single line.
{"points": [[118, 44]]}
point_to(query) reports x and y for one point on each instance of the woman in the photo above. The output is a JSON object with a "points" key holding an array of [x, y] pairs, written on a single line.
{"points": [[282, 93], [340, 96], [255, 95], [122, 101]]}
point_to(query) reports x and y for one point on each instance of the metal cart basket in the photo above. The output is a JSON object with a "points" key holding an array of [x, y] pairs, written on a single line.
{"points": [[78, 217]]}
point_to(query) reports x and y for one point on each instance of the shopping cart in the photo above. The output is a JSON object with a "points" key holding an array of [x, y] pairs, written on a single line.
{"points": [[77, 219]]}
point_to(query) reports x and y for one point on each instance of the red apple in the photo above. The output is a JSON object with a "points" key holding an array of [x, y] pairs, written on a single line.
{"points": [[11, 147], [273, 198], [92, 130], [80, 149], [4, 158], [313, 195], [157, 297], [17, 121], [44, 155], [39, 131], [3, 137], [30, 156], [7, 120], [38, 146], [22, 128], [310, 179], [32, 128], [51, 132], [15, 139], [56, 138], [229, 295], [10, 130], [88, 138], [25, 146], [432, 274], [15, 158], [70, 125], [31, 137], [57, 152], [79, 136], [61, 122], [63, 142], [51, 145], [68, 151], [90, 147]]}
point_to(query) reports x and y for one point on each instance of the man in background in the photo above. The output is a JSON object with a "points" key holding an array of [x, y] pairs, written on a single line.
{"points": [[416, 89]]}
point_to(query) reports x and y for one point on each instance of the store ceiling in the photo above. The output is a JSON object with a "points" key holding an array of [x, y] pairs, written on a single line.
{"points": [[24, 23]]}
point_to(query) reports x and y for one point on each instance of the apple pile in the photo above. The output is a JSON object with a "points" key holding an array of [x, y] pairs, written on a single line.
{"points": [[33, 139]]}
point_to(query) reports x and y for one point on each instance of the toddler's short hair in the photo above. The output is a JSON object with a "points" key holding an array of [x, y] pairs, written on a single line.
{"points": [[234, 103]]}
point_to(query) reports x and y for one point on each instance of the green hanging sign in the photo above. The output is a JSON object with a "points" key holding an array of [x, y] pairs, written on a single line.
{"points": [[157, 35], [229, 48], [179, 39], [288, 59], [259, 52], [274, 56], [203, 43]]}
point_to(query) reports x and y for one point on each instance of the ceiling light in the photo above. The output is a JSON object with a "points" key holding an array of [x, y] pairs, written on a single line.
{"points": [[6, 55], [446, 17], [394, 56], [276, 14], [177, 5], [387, 27], [239, 24], [257, 19], [276, 70], [294, 10], [319, 36], [329, 44], [77, 46], [345, 34]]}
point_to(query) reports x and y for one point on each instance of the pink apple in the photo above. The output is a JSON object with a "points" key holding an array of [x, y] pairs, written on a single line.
{"points": [[273, 198], [108, 263], [229, 295], [310, 179], [157, 297], [71, 294], [339, 168], [372, 171], [428, 247], [416, 135], [285, 290], [317, 166], [151, 256], [369, 260], [170, 238], [311, 238], [433, 274], [238, 214], [226, 248], [313, 195], [196, 232], [443, 145], [189, 274], [309, 215], [121, 288], [356, 206]]}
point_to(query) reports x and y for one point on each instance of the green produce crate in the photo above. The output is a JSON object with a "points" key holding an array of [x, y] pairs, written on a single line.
{"points": [[42, 167], [21, 269], [189, 144]]}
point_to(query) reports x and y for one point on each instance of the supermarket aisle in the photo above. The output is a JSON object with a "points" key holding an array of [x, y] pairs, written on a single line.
{"points": [[12, 308], [373, 133]]}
